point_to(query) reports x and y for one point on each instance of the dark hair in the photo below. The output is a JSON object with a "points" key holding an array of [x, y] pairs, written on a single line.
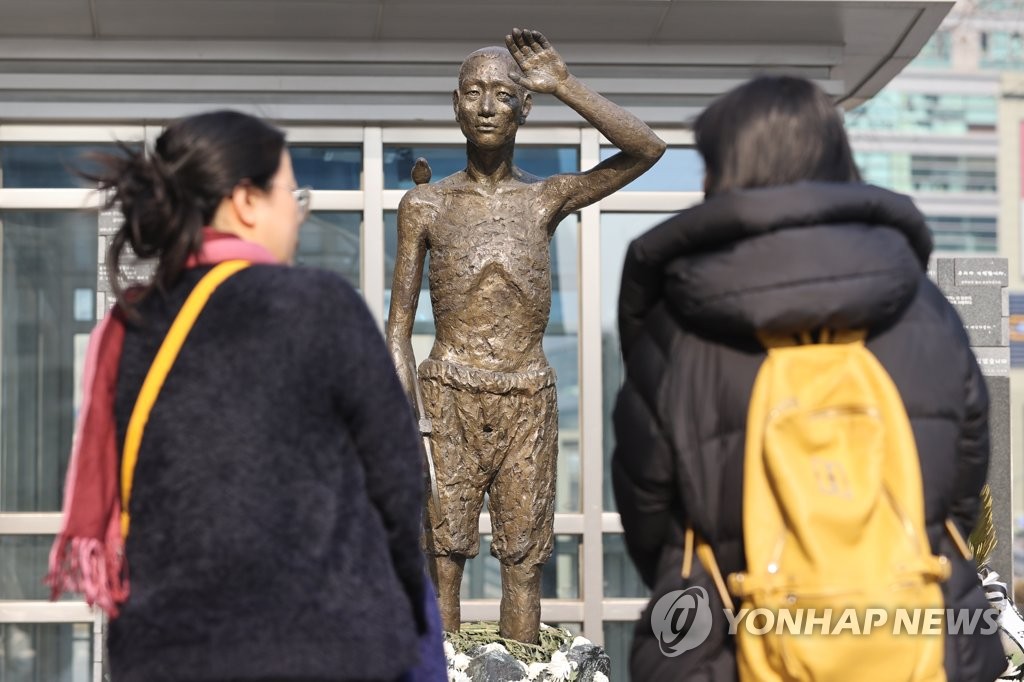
{"points": [[773, 130], [170, 194]]}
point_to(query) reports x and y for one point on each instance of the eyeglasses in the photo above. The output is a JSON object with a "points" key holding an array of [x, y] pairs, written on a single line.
{"points": [[303, 197]]}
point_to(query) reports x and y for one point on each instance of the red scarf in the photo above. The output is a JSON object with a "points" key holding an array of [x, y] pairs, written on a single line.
{"points": [[88, 554]]}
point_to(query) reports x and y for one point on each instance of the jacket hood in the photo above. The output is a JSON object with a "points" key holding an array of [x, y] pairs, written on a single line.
{"points": [[780, 259]]}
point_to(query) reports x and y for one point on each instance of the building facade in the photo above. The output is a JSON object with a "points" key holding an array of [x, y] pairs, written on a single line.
{"points": [[947, 132], [361, 94]]}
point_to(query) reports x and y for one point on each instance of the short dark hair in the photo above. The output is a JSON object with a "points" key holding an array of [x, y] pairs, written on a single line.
{"points": [[773, 130], [168, 195]]}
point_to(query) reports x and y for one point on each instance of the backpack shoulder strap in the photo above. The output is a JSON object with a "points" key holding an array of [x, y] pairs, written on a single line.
{"points": [[707, 557], [158, 371]]}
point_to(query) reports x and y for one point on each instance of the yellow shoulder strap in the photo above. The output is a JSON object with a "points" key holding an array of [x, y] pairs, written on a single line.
{"points": [[707, 557], [158, 371]]}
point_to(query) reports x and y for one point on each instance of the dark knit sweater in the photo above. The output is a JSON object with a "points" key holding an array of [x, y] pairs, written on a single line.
{"points": [[277, 497]]}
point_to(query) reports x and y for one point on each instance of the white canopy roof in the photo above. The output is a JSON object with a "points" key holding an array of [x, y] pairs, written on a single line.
{"points": [[395, 60]]}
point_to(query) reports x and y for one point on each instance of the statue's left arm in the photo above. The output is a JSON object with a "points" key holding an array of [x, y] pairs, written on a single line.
{"points": [[545, 71]]}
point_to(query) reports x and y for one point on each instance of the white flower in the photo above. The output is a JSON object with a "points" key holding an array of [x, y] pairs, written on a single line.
{"points": [[458, 676], [600, 677], [494, 646], [449, 650], [460, 662], [560, 667], [580, 641], [535, 669]]}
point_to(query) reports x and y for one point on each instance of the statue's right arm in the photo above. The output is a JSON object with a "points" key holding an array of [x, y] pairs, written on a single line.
{"points": [[414, 217]]}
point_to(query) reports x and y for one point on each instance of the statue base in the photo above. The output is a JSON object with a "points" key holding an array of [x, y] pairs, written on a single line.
{"points": [[477, 653]]}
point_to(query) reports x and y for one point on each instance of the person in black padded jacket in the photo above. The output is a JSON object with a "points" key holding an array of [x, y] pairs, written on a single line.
{"points": [[788, 239]]}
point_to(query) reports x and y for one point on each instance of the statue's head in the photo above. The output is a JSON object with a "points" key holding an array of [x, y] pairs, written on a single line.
{"points": [[489, 105]]}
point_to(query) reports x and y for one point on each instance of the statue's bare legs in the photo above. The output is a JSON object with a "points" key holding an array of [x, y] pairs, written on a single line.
{"points": [[520, 597], [520, 601], [449, 570]]}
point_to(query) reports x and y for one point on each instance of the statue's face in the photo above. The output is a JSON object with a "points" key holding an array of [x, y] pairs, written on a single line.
{"points": [[489, 106]]}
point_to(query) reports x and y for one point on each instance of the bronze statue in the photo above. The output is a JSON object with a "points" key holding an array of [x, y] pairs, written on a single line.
{"points": [[487, 388]]}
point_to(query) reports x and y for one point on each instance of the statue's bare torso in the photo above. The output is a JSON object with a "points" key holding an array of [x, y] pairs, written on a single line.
{"points": [[490, 271]]}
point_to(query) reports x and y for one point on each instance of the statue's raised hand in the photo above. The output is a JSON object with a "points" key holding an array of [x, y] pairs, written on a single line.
{"points": [[543, 68]]}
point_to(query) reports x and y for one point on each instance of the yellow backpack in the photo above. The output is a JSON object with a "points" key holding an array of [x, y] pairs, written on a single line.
{"points": [[833, 518]]}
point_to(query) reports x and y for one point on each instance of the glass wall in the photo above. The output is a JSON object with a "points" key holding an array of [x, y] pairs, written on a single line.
{"points": [[617, 231], [48, 287], [330, 240], [964, 233], [938, 113], [49, 274], [957, 179], [46, 653], [679, 170], [906, 172], [48, 277], [53, 166], [445, 160], [49, 271], [1002, 50], [618, 638], [328, 167], [937, 53]]}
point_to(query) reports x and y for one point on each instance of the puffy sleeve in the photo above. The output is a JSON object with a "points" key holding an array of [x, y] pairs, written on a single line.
{"points": [[643, 466]]}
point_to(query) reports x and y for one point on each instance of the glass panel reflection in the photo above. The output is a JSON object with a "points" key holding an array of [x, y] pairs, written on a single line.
{"points": [[48, 165], [575, 629], [964, 233], [49, 260], [618, 642], [46, 653], [620, 576], [424, 324], [448, 159], [23, 563], [681, 169], [331, 240], [617, 231], [560, 580], [334, 168]]}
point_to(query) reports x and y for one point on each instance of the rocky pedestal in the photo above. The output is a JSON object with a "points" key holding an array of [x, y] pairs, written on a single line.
{"points": [[478, 654]]}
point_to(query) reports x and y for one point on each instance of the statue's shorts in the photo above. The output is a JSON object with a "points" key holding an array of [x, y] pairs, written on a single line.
{"points": [[494, 433]]}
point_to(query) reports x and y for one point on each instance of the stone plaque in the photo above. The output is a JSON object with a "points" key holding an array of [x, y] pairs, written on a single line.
{"points": [[981, 310], [994, 361], [975, 271], [133, 270], [977, 289], [944, 273]]}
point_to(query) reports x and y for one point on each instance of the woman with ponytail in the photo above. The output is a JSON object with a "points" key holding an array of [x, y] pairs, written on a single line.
{"points": [[245, 487]]}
